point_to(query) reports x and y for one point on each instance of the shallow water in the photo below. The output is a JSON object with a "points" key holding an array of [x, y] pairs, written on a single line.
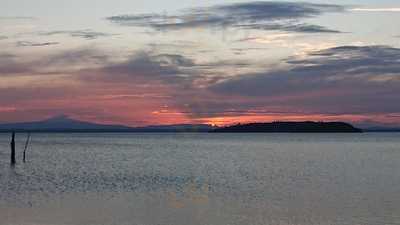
{"points": [[202, 179]]}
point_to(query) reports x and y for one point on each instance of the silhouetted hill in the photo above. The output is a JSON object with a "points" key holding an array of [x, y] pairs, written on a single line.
{"points": [[291, 127], [66, 124]]}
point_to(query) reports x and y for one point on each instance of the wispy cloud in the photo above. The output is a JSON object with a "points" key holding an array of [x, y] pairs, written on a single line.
{"points": [[17, 18], [271, 38], [10, 65], [7, 109], [143, 67], [34, 44], [3, 37], [83, 57], [64, 62], [376, 9], [86, 34], [251, 15], [291, 27]]}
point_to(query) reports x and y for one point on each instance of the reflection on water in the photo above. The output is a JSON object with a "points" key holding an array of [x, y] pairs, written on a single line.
{"points": [[202, 179]]}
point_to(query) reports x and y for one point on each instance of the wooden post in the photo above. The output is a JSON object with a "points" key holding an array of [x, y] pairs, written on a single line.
{"points": [[13, 149], [26, 147]]}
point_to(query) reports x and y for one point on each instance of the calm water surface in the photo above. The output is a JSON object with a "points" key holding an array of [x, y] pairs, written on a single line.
{"points": [[202, 179]]}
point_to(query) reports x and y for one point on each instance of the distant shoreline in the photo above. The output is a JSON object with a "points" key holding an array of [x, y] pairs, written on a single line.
{"points": [[64, 124]]}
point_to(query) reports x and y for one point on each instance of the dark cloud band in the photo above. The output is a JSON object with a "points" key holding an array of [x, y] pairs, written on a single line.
{"points": [[251, 15], [347, 79], [85, 34]]}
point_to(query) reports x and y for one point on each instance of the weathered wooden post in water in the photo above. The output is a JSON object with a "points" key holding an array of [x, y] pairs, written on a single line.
{"points": [[26, 147], [12, 149]]}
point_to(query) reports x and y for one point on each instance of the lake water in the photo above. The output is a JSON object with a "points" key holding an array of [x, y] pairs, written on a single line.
{"points": [[202, 179]]}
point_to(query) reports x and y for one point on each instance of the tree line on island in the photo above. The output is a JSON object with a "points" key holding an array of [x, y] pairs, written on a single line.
{"points": [[290, 127]]}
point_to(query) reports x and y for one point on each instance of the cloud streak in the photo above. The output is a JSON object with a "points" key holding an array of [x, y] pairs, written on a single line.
{"points": [[251, 15], [60, 63], [35, 44], [10, 65], [85, 34], [376, 9], [17, 18]]}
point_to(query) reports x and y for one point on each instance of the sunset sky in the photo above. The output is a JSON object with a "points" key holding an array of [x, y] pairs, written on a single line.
{"points": [[142, 62]]}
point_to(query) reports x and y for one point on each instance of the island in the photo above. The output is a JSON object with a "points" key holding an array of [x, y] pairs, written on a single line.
{"points": [[290, 127]]}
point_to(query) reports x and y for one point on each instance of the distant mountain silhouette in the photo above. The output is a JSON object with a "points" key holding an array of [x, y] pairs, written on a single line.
{"points": [[65, 124], [59, 123], [290, 127]]}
